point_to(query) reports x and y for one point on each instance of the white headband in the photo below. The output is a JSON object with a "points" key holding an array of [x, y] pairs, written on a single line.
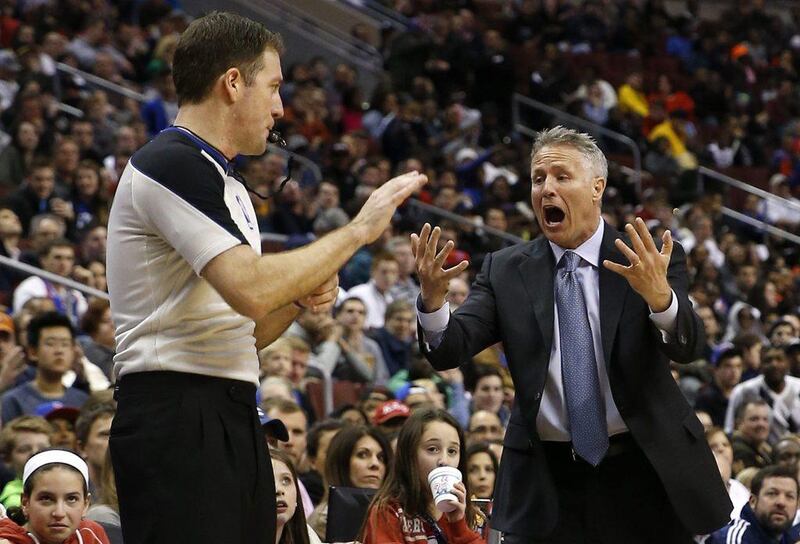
{"points": [[49, 457]]}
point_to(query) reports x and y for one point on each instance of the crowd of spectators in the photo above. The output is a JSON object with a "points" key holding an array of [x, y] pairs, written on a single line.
{"points": [[716, 90]]}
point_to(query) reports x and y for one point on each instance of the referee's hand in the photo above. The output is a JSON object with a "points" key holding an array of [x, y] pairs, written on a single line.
{"points": [[323, 298], [377, 212]]}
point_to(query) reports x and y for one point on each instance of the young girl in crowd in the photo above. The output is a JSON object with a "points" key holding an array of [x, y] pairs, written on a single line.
{"points": [[404, 510], [55, 499], [358, 456], [291, 526]]}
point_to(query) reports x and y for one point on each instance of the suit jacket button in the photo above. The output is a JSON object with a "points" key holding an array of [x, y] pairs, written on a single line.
{"points": [[682, 338], [537, 396]]}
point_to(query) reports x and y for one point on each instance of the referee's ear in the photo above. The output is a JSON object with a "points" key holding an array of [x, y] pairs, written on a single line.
{"points": [[232, 82]]}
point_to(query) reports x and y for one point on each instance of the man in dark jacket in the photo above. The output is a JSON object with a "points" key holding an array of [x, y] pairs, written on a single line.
{"points": [[768, 517]]}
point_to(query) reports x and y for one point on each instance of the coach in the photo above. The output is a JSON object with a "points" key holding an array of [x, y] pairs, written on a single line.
{"points": [[601, 446]]}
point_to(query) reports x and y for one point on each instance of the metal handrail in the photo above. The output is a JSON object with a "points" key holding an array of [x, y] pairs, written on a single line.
{"points": [[328, 28], [775, 231], [733, 182], [748, 188], [627, 141], [101, 82], [380, 13], [70, 110], [55, 278], [464, 221], [302, 25]]}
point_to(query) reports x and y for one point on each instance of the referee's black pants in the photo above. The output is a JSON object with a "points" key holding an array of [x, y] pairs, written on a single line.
{"points": [[190, 461]]}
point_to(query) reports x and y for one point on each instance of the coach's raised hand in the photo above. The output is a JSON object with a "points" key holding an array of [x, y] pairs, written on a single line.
{"points": [[377, 211], [433, 277], [647, 271]]}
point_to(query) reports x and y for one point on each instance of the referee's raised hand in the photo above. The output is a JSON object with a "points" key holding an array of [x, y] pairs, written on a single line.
{"points": [[377, 211]]}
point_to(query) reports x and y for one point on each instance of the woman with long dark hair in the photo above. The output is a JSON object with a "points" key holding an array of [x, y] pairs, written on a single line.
{"points": [[358, 456]]}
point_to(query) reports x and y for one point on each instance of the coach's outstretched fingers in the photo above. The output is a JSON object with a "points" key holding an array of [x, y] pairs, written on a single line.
{"points": [[433, 277], [647, 271]]}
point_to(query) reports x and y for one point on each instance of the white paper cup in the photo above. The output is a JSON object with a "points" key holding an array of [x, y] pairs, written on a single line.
{"points": [[442, 480]]}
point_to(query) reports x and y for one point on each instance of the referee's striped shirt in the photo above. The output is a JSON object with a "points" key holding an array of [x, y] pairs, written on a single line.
{"points": [[178, 205]]}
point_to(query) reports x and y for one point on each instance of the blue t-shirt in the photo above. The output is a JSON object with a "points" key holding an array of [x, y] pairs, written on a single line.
{"points": [[24, 399]]}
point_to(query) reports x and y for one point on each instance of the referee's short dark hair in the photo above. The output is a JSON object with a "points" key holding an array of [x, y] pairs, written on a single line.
{"points": [[47, 320], [772, 471], [215, 43]]}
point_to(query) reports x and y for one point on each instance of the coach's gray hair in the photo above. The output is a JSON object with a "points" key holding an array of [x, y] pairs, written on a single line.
{"points": [[581, 141]]}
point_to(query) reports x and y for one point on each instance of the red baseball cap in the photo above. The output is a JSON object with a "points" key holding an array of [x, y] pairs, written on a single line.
{"points": [[389, 410]]}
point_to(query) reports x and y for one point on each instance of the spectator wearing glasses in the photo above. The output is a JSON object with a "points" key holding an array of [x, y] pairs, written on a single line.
{"points": [[485, 426]]}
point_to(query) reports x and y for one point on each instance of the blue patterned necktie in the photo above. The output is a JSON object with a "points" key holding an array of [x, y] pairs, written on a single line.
{"points": [[585, 407]]}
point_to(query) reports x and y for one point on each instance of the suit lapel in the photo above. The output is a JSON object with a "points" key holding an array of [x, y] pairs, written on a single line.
{"points": [[537, 278], [613, 289]]}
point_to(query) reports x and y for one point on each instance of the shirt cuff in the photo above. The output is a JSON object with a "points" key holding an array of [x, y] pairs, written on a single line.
{"points": [[436, 321], [666, 320], [433, 324]]}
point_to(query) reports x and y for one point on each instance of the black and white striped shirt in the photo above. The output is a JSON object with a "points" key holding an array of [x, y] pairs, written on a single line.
{"points": [[179, 204]]}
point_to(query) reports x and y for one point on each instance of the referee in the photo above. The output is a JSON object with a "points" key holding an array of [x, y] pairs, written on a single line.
{"points": [[192, 297]]}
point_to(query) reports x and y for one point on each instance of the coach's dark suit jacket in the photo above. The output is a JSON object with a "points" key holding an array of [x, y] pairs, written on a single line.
{"points": [[512, 301]]}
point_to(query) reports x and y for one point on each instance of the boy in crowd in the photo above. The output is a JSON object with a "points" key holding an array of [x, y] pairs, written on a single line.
{"points": [[51, 347], [19, 440]]}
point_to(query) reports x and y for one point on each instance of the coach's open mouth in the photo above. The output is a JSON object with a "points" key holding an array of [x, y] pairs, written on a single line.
{"points": [[553, 215]]}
